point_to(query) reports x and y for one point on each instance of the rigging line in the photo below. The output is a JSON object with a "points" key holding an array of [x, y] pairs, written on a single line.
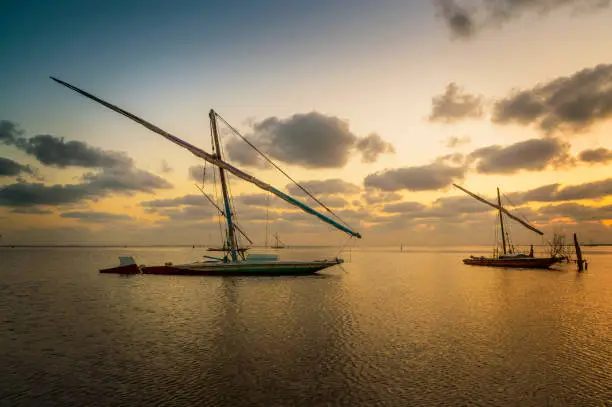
{"points": [[215, 188], [516, 208], [283, 172]]}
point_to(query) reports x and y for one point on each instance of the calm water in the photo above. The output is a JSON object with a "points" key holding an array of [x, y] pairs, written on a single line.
{"points": [[399, 329]]}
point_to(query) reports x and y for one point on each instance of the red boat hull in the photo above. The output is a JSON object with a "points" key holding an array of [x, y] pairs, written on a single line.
{"points": [[126, 269], [526, 263]]}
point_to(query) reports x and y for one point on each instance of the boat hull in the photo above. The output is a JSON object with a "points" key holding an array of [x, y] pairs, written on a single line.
{"points": [[123, 269], [277, 268], [527, 263]]}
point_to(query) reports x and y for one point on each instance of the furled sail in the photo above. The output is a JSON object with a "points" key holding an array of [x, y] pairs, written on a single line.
{"points": [[511, 216], [213, 160]]}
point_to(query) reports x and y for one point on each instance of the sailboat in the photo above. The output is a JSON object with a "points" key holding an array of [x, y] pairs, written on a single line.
{"points": [[509, 258], [278, 244], [235, 261]]}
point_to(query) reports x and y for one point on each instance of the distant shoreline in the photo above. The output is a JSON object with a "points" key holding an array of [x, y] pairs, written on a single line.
{"points": [[117, 246]]}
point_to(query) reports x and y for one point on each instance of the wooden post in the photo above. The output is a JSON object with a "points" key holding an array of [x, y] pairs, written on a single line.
{"points": [[578, 253]]}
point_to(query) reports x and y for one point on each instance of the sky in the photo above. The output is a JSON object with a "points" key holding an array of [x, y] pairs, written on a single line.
{"points": [[375, 107]]}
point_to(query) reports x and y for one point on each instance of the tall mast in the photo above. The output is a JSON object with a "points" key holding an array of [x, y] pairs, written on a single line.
{"points": [[228, 211], [501, 220]]}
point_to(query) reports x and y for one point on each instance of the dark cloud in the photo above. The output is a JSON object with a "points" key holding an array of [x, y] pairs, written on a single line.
{"points": [[453, 142], [455, 104], [126, 180], [596, 156], [31, 211], [96, 217], [422, 178], [572, 103], [529, 155], [465, 19], [554, 192], [196, 173], [9, 168], [95, 185], [372, 146], [55, 151], [26, 194], [334, 186], [311, 140], [255, 199], [578, 212], [458, 18], [9, 133], [194, 200], [374, 196]]}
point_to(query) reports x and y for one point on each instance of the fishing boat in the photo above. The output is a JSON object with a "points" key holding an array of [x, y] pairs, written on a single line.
{"points": [[278, 244], [510, 258], [234, 261]]}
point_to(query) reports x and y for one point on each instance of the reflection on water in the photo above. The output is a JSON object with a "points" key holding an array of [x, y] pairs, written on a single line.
{"points": [[412, 328]]}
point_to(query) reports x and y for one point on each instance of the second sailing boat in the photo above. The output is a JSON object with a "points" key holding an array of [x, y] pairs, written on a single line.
{"points": [[509, 258]]}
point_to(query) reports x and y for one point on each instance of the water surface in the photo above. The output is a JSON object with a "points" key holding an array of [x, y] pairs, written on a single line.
{"points": [[398, 329]]}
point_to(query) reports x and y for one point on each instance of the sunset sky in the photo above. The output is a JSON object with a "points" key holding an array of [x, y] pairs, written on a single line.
{"points": [[377, 107]]}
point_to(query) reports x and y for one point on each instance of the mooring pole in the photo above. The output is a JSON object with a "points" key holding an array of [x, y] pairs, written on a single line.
{"points": [[578, 253]]}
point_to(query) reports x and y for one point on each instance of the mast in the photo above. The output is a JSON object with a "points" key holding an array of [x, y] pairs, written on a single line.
{"points": [[502, 209], [212, 159], [501, 221], [228, 211]]}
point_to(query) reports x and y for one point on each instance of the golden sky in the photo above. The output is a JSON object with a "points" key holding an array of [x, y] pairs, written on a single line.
{"points": [[376, 109]]}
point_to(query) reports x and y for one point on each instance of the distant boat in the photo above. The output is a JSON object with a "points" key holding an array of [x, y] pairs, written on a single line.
{"points": [[278, 244], [234, 261], [509, 258]]}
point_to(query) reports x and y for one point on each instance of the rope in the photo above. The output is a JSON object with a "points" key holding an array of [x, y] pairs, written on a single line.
{"points": [[282, 172]]}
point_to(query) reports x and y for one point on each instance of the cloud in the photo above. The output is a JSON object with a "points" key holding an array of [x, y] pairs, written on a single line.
{"points": [[195, 200], [334, 186], [26, 194], [9, 168], [255, 199], [55, 151], [311, 140], [455, 105], [31, 211], [554, 192], [436, 175], [96, 185], [196, 173], [125, 180], [465, 21], [459, 19], [165, 168], [572, 103], [596, 156], [373, 196], [96, 217], [372, 146], [453, 142], [529, 155], [578, 212]]}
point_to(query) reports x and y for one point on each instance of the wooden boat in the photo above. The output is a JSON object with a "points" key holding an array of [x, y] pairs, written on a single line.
{"points": [[127, 265], [509, 258], [235, 261], [278, 244]]}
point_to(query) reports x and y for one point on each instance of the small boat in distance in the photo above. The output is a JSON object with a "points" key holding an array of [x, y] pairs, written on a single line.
{"points": [[278, 244], [234, 261], [509, 258]]}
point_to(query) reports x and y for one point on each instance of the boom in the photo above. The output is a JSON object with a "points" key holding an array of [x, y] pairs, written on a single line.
{"points": [[212, 159], [501, 209]]}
